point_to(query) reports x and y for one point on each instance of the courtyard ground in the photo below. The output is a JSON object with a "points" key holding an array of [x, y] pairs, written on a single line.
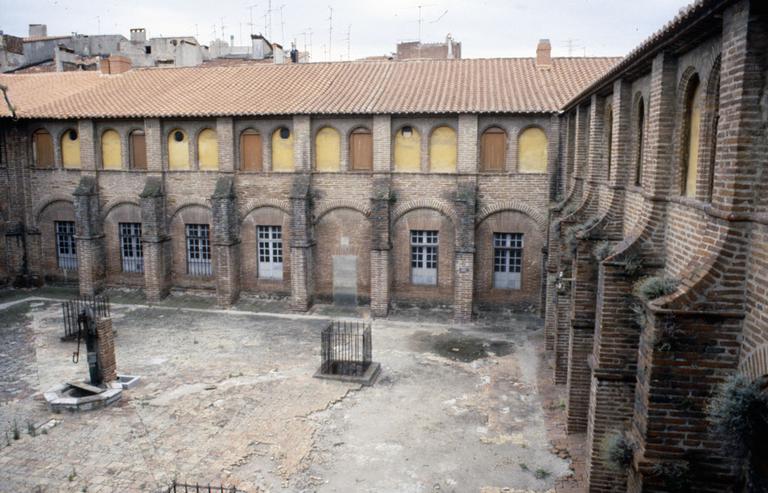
{"points": [[228, 397]]}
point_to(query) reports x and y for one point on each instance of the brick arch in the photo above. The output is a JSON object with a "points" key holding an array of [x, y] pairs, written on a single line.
{"points": [[355, 205], [515, 206], [254, 204], [755, 364], [117, 201], [188, 203], [43, 204], [438, 205]]}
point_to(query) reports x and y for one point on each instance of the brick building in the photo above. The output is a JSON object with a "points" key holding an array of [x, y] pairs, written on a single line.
{"points": [[663, 173], [365, 182]]}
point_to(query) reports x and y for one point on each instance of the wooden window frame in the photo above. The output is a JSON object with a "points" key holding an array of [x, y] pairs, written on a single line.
{"points": [[493, 130], [352, 154]]}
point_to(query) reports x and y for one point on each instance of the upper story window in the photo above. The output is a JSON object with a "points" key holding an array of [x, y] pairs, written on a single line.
{"points": [[208, 150], [138, 150], [407, 153], [42, 149], [443, 150], [327, 150], [361, 150], [111, 152], [692, 129], [70, 149], [282, 150], [532, 151], [178, 150], [493, 149], [640, 132], [250, 151]]}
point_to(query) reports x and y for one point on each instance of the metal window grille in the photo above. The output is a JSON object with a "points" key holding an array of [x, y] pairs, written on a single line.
{"points": [[424, 257], [507, 260], [198, 250], [66, 252], [130, 247], [346, 348], [270, 240]]}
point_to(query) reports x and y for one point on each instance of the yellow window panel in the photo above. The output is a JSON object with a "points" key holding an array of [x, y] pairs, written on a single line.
{"points": [[208, 150], [282, 150], [442, 150], [694, 127], [70, 149], [532, 151], [110, 150], [328, 150], [178, 150], [408, 150]]}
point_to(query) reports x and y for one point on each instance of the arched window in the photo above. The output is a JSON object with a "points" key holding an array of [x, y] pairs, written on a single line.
{"points": [[250, 151], [138, 150], [361, 150], [282, 150], [493, 149], [42, 149], [442, 150], [70, 149], [111, 157], [691, 135], [328, 150], [608, 138], [178, 150], [408, 150], [532, 151], [208, 150], [640, 132]]}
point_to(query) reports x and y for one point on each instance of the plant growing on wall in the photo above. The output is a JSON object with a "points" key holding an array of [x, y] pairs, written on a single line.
{"points": [[617, 450], [653, 287], [632, 264], [738, 411], [602, 250], [675, 474], [638, 315]]}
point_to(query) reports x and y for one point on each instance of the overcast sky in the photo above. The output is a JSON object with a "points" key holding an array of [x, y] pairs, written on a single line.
{"points": [[491, 28]]}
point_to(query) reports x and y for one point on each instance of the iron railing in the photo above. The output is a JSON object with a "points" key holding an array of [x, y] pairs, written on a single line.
{"points": [[98, 304], [176, 487], [346, 348]]}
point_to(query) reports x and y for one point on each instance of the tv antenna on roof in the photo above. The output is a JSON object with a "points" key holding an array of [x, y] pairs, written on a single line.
{"points": [[250, 13], [330, 32]]}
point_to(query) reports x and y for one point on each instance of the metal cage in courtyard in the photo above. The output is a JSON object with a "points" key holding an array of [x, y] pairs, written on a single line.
{"points": [[98, 304], [346, 348]]}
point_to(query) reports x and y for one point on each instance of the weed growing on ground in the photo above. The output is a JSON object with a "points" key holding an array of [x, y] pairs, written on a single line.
{"points": [[542, 473]]}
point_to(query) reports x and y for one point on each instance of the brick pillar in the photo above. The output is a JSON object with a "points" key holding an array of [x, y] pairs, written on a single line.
{"points": [[381, 278], [226, 143], [89, 237], [226, 241], [105, 349], [88, 143], [382, 143], [467, 145], [155, 241], [302, 144], [153, 138], [463, 280], [301, 244]]}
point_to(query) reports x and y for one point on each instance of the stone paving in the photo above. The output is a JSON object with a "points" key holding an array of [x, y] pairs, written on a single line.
{"points": [[229, 398]]}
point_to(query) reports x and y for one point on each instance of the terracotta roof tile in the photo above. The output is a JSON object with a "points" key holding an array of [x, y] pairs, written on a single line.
{"points": [[511, 85]]}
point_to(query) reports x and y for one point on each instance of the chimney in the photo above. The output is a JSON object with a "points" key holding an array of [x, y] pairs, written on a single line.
{"points": [[544, 53], [260, 47], [138, 35], [294, 53], [115, 64], [449, 42], [38, 30], [278, 54]]}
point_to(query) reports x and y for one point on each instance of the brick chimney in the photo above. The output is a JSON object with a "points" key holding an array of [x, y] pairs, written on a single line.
{"points": [[544, 53], [115, 64], [38, 30]]}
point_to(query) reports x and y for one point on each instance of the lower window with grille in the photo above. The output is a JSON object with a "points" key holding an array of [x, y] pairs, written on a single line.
{"points": [[130, 247], [507, 260], [198, 250], [424, 257], [270, 239], [66, 253]]}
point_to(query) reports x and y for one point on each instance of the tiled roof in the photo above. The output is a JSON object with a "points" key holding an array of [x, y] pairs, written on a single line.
{"points": [[511, 85]]}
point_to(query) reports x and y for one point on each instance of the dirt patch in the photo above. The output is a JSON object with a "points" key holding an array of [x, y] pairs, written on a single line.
{"points": [[457, 346]]}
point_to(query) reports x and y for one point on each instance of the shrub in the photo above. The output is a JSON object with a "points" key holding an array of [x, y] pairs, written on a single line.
{"points": [[617, 450], [632, 264], [638, 315], [675, 474], [737, 411], [650, 288], [602, 250], [572, 231]]}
